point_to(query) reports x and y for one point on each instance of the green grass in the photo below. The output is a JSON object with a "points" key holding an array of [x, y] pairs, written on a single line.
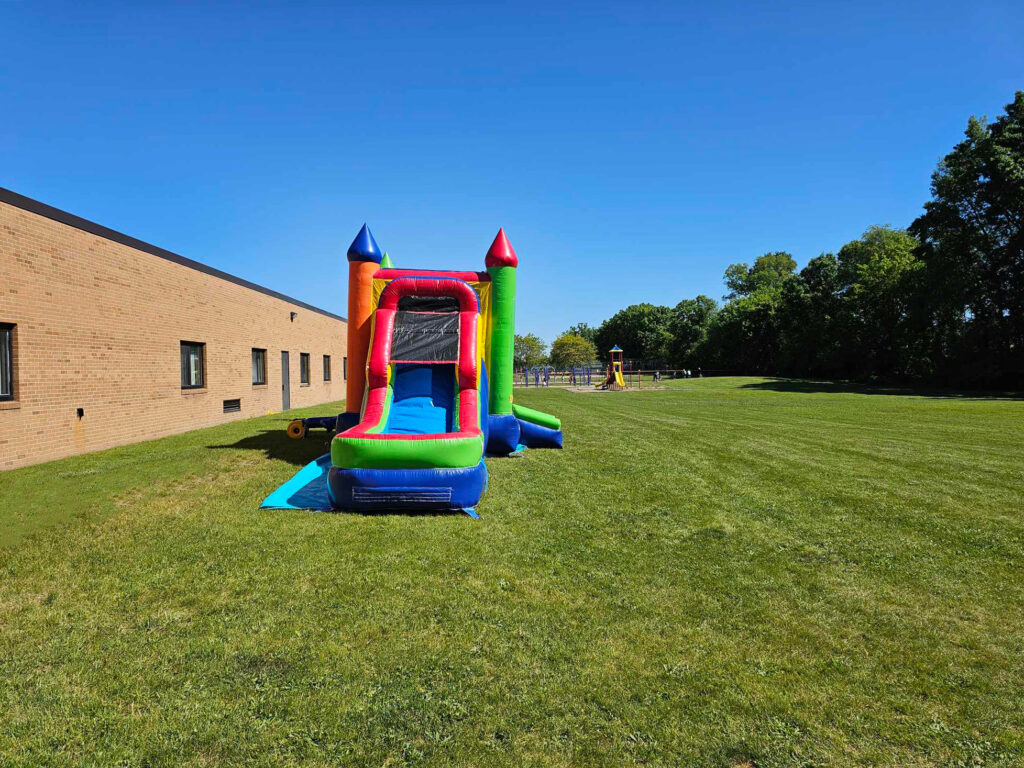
{"points": [[722, 572]]}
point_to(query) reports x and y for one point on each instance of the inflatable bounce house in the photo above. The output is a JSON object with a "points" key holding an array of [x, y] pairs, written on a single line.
{"points": [[429, 390]]}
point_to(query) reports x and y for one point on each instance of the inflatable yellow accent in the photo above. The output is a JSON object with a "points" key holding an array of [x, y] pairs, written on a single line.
{"points": [[296, 429]]}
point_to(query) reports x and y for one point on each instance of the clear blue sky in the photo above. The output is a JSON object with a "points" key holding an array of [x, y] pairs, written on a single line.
{"points": [[631, 151]]}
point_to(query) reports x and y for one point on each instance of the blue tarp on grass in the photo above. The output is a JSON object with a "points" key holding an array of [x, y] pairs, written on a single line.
{"points": [[306, 490]]}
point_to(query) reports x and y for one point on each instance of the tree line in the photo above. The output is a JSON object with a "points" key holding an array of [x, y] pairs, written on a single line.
{"points": [[939, 302]]}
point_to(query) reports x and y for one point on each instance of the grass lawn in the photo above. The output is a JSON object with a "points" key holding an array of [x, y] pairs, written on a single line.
{"points": [[723, 572]]}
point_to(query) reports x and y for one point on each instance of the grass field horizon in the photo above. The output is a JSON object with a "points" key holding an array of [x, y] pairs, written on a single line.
{"points": [[721, 572]]}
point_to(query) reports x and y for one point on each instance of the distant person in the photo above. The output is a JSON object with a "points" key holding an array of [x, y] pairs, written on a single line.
{"points": [[700, 374]]}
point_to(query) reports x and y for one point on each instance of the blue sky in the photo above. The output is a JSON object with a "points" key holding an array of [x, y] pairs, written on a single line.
{"points": [[631, 151]]}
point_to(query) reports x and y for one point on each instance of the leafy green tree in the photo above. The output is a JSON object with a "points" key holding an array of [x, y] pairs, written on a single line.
{"points": [[585, 330], [746, 334], [769, 272], [570, 350], [641, 330], [688, 329], [878, 274], [812, 308], [972, 238], [528, 350]]}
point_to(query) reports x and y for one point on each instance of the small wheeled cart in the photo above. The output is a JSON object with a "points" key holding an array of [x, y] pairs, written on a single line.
{"points": [[297, 428]]}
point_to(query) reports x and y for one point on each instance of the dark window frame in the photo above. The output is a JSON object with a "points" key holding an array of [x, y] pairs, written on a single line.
{"points": [[327, 367], [202, 365], [304, 370], [7, 363], [344, 367], [263, 354]]}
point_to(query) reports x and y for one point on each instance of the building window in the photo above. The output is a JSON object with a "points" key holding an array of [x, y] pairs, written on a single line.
{"points": [[327, 367], [344, 369], [193, 365], [259, 366], [304, 367], [6, 362]]}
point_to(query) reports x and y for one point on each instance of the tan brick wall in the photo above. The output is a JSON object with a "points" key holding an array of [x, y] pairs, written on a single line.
{"points": [[99, 326]]}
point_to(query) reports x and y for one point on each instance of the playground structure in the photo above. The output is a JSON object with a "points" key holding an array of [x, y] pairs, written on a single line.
{"points": [[430, 384], [613, 380]]}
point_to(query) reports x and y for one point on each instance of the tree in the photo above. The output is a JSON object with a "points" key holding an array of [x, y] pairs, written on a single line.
{"points": [[585, 330], [570, 350], [810, 338], [641, 330], [972, 244], [770, 272], [528, 350], [746, 334], [878, 277], [688, 328]]}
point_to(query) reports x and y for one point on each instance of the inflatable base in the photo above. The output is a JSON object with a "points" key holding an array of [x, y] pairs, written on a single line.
{"points": [[502, 434], [535, 436], [366, 490]]}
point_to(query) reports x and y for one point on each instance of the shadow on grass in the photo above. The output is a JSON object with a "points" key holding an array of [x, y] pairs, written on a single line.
{"points": [[275, 444], [810, 386]]}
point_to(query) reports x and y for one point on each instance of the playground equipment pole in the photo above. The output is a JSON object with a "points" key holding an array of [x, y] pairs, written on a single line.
{"points": [[364, 257]]}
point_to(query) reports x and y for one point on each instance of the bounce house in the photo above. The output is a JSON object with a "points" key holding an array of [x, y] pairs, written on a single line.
{"points": [[429, 390]]}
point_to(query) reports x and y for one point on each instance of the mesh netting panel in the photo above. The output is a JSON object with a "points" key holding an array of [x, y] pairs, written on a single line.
{"points": [[425, 337]]}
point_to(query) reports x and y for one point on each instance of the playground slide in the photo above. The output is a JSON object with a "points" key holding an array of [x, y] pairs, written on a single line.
{"points": [[613, 380], [419, 443]]}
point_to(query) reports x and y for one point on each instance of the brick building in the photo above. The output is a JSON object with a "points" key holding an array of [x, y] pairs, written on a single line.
{"points": [[106, 340]]}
